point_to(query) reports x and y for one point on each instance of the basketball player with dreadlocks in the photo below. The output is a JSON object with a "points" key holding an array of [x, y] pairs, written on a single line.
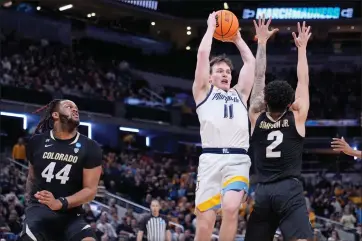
{"points": [[64, 171], [278, 117]]}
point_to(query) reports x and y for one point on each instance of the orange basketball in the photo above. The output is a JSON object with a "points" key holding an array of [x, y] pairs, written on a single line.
{"points": [[227, 25]]}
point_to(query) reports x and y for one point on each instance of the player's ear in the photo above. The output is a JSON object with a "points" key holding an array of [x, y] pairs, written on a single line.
{"points": [[55, 115]]}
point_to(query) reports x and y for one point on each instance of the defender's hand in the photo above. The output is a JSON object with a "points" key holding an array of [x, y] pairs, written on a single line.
{"points": [[303, 36], [341, 145], [262, 30], [47, 198], [211, 21]]}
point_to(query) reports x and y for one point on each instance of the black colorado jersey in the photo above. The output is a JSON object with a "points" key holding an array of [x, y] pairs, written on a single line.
{"points": [[58, 164], [278, 148]]}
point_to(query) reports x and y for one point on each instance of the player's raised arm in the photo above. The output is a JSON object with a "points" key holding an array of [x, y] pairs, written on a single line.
{"points": [[257, 103], [301, 103], [246, 75], [201, 82], [341, 145]]}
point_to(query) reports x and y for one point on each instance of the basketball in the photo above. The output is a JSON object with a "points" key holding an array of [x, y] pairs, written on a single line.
{"points": [[227, 25]]}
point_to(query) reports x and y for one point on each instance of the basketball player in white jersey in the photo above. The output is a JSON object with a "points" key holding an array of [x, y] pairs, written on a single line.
{"points": [[223, 173]]}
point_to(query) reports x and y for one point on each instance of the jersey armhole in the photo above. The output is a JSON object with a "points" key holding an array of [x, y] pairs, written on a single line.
{"points": [[256, 123], [295, 126], [240, 98], [207, 96]]}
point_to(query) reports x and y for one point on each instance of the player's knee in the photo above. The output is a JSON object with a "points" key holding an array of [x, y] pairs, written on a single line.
{"points": [[229, 209], [231, 203], [205, 221], [204, 228]]}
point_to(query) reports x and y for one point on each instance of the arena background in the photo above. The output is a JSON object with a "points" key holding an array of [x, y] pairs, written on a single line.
{"points": [[129, 66]]}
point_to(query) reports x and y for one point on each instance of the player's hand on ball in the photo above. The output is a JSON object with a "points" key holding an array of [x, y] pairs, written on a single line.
{"points": [[303, 36], [262, 30], [341, 145], [234, 39], [211, 21], [47, 198]]}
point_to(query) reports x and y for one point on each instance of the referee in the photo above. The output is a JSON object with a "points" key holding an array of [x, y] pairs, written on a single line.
{"points": [[153, 226]]}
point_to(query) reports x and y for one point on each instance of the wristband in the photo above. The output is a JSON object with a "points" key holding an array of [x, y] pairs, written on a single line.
{"points": [[64, 202]]}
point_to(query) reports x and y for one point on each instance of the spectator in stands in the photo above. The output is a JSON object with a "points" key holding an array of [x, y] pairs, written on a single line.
{"points": [[334, 236], [106, 228], [14, 222], [348, 220], [19, 151], [88, 214]]}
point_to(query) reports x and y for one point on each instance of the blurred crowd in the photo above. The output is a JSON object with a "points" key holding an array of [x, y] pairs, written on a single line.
{"points": [[136, 175], [143, 176], [63, 70], [79, 71]]}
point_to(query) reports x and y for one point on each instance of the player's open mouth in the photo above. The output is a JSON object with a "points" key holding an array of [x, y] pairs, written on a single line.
{"points": [[224, 81]]}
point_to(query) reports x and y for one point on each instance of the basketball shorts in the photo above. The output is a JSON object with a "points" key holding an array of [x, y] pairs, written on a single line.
{"points": [[279, 204], [217, 174], [41, 224]]}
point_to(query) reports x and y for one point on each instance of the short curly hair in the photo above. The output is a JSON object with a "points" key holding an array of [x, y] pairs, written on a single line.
{"points": [[278, 95]]}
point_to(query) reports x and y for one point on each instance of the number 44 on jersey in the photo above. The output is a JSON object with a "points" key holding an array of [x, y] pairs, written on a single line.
{"points": [[62, 175]]}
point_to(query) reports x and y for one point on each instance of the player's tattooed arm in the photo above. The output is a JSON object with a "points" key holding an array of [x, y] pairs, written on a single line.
{"points": [[263, 33], [257, 103], [29, 182]]}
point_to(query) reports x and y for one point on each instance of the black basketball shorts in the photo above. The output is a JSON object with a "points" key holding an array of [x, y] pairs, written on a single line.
{"points": [[279, 204], [41, 224]]}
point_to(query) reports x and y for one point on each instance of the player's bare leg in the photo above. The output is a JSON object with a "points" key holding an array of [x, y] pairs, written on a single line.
{"points": [[230, 211], [205, 222]]}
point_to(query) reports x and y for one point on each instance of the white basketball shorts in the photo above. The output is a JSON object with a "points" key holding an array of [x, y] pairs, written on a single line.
{"points": [[217, 174]]}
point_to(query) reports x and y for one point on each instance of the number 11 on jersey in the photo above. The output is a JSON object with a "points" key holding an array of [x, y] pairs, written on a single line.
{"points": [[228, 111]]}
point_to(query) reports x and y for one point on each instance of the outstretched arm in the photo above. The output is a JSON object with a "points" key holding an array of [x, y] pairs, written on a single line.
{"points": [[201, 82], [246, 75], [301, 103], [257, 103], [341, 145]]}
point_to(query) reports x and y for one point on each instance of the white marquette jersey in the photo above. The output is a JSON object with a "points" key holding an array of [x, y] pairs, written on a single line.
{"points": [[223, 120]]}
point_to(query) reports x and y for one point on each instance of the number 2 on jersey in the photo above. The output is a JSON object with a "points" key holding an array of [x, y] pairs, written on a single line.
{"points": [[62, 175], [228, 111], [277, 138]]}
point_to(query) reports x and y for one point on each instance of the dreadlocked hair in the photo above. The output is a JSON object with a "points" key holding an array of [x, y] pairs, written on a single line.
{"points": [[46, 122]]}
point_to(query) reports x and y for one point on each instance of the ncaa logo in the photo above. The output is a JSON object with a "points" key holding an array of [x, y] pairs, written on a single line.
{"points": [[76, 150], [248, 13]]}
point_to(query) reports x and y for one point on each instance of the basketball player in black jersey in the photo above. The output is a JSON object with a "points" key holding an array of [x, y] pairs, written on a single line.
{"points": [[278, 129], [64, 171]]}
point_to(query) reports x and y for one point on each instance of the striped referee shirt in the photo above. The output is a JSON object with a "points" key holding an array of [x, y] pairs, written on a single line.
{"points": [[154, 227]]}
